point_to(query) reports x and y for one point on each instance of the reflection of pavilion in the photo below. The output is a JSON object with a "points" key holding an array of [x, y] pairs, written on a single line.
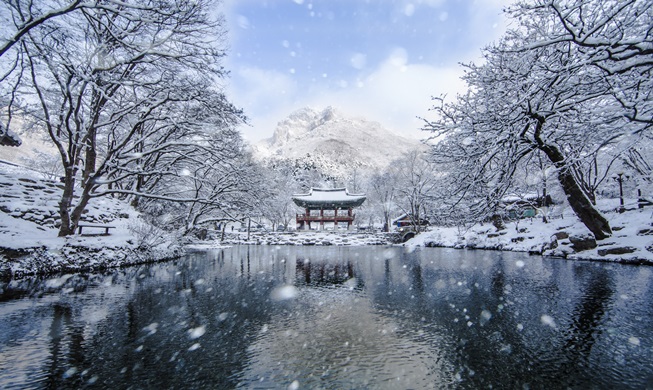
{"points": [[322, 207]]}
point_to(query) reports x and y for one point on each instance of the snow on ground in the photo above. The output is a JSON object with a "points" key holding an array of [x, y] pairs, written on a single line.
{"points": [[631, 242], [28, 233], [29, 242]]}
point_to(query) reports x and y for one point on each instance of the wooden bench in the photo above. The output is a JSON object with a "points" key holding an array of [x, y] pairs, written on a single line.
{"points": [[96, 226]]}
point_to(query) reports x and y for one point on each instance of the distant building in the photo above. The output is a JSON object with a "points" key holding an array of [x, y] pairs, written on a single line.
{"points": [[327, 208], [525, 206], [8, 137], [406, 220]]}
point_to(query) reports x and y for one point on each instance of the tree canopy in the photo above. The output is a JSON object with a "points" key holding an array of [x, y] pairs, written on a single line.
{"points": [[129, 93], [571, 79]]}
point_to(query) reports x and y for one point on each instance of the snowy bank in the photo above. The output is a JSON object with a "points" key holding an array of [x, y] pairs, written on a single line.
{"points": [[318, 238], [631, 241], [29, 243]]}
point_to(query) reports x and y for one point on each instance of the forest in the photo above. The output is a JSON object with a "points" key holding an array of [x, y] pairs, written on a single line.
{"points": [[131, 96]]}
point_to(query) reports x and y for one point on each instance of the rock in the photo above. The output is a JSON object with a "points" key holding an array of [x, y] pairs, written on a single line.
{"points": [[645, 232], [5, 271], [26, 180], [517, 239], [536, 249], [620, 250], [558, 252], [561, 235], [582, 242], [552, 244], [497, 222]]}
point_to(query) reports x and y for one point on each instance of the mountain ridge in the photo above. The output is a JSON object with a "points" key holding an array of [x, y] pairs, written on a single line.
{"points": [[334, 142]]}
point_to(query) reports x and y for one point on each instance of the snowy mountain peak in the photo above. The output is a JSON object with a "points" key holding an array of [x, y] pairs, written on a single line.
{"points": [[300, 123], [334, 141]]}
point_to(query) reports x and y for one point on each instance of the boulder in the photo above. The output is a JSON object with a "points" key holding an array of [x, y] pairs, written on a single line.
{"points": [[552, 244], [582, 242], [561, 235], [620, 250]]}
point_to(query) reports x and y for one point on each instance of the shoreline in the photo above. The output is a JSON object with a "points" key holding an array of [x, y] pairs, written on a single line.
{"points": [[19, 263]]}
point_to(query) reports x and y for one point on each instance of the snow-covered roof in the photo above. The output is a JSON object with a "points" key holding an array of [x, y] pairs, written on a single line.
{"points": [[515, 198], [328, 197], [8, 137]]}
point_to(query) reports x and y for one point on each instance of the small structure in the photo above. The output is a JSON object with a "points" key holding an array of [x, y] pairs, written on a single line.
{"points": [[517, 207], [406, 220], [327, 207]]}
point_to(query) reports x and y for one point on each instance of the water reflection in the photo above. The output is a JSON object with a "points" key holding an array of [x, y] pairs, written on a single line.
{"points": [[349, 318]]}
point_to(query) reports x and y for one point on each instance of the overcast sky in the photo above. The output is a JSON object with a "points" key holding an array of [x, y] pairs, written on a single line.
{"points": [[380, 59]]}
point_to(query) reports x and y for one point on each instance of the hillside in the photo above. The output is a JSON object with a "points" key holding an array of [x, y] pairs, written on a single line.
{"points": [[336, 143], [28, 230], [565, 236]]}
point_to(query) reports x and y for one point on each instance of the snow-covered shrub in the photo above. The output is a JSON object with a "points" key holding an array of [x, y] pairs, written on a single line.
{"points": [[148, 235]]}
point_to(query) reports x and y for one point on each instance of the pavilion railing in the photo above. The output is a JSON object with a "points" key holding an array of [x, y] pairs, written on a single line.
{"points": [[325, 218]]}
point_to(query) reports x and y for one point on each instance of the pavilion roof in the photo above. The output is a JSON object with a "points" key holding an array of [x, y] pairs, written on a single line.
{"points": [[328, 198]]}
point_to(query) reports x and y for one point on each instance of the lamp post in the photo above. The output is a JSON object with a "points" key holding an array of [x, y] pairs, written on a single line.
{"points": [[620, 178]]}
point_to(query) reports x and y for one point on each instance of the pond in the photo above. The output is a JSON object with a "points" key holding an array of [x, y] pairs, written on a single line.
{"points": [[333, 317]]}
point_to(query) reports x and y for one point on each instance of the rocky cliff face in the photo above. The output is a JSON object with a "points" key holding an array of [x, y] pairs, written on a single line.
{"points": [[334, 142]]}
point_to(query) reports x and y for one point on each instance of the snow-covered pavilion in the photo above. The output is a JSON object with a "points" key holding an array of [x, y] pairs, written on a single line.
{"points": [[327, 208]]}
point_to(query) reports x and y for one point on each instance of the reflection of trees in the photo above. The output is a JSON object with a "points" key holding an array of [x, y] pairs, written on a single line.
{"points": [[407, 304], [589, 312], [142, 336], [494, 351], [325, 273], [61, 319], [587, 316]]}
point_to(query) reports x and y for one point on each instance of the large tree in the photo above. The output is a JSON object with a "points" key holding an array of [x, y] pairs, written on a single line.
{"points": [[537, 93], [416, 181], [213, 181], [128, 92], [382, 196], [613, 37]]}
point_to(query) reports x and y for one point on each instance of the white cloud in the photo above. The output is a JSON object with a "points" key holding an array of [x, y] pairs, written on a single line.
{"points": [[431, 3], [262, 94], [395, 93], [242, 22], [358, 60], [409, 9]]}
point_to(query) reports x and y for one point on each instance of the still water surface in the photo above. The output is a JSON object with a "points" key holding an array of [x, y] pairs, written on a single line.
{"points": [[333, 317]]}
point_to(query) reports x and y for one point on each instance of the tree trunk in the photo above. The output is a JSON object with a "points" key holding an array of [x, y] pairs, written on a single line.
{"points": [[386, 222], [66, 228], [91, 157], [577, 198], [76, 215], [70, 218]]}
